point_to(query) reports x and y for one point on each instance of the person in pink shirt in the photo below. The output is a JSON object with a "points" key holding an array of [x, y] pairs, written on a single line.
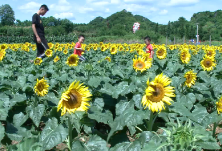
{"points": [[149, 47], [78, 47]]}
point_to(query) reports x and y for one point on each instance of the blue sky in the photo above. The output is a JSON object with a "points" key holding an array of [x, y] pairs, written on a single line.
{"points": [[83, 11]]}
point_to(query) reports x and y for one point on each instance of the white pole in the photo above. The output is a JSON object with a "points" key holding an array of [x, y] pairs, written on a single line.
{"points": [[197, 35]]}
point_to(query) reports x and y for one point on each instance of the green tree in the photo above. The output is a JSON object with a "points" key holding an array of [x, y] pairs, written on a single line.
{"points": [[7, 15], [156, 28], [168, 29]]}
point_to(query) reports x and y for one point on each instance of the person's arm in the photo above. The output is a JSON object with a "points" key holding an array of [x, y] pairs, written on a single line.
{"points": [[152, 53], [36, 34]]}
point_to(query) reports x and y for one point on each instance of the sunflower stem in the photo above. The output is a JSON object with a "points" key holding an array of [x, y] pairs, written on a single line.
{"points": [[214, 130], [150, 123], [70, 134]]}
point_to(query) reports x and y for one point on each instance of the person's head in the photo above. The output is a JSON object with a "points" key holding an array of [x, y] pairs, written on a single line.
{"points": [[147, 40], [81, 38], [43, 9]]}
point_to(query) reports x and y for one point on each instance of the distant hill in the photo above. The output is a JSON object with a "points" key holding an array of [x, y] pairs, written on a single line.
{"points": [[119, 25]]}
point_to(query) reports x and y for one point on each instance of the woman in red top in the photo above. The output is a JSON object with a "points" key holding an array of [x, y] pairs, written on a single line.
{"points": [[78, 48], [149, 47]]}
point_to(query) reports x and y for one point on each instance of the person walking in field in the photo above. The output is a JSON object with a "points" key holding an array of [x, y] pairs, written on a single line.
{"points": [[38, 30], [149, 47], [78, 47]]}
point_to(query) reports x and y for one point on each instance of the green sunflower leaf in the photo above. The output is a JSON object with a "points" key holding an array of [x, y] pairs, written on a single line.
{"points": [[2, 131], [36, 113], [53, 134]]}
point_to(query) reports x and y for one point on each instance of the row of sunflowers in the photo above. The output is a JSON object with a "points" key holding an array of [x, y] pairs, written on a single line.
{"points": [[117, 99]]}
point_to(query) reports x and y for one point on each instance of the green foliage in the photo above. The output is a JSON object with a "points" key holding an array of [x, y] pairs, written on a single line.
{"points": [[7, 15], [116, 119]]}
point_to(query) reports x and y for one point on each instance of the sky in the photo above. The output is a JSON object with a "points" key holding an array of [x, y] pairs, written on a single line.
{"points": [[83, 11]]}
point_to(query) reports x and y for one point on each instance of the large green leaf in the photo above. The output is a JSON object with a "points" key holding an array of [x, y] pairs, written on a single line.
{"points": [[3, 111], [180, 109], [219, 136], [19, 119], [198, 114], [95, 143], [94, 82], [53, 134], [18, 98], [2, 131], [187, 100], [76, 120], [138, 101], [209, 145], [127, 146], [29, 144], [103, 117], [130, 117], [36, 113]]}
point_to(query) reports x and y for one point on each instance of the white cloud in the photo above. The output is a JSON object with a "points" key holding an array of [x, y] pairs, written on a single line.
{"points": [[138, 0], [181, 2], [30, 7], [85, 9], [64, 2], [115, 1], [107, 10], [138, 8], [163, 12], [67, 15], [62, 5]]}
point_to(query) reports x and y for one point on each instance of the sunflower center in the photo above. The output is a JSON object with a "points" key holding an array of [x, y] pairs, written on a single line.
{"points": [[40, 86], [75, 100], [140, 65], [208, 63], [160, 52], [158, 93], [189, 78], [72, 60], [37, 61]]}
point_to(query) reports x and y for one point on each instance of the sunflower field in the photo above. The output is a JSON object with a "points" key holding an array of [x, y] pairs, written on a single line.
{"points": [[118, 99]]}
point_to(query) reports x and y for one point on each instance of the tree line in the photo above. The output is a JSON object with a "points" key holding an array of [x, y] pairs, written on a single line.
{"points": [[119, 24]]}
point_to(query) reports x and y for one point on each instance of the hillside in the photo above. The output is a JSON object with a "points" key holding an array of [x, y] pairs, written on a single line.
{"points": [[119, 25]]}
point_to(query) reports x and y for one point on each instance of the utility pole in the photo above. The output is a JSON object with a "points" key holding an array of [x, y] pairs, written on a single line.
{"points": [[197, 34]]}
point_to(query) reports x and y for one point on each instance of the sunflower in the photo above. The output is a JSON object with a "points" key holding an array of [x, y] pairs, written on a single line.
{"points": [[48, 53], [157, 93], [219, 106], [38, 61], [60, 49], [211, 53], [51, 45], [185, 56], [27, 44], [121, 48], [41, 87], [76, 98], [113, 50], [2, 54], [72, 60], [108, 59], [95, 48], [65, 51], [3, 47], [140, 64], [208, 63], [161, 52], [34, 48], [190, 78], [103, 48], [172, 47], [56, 59]]}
